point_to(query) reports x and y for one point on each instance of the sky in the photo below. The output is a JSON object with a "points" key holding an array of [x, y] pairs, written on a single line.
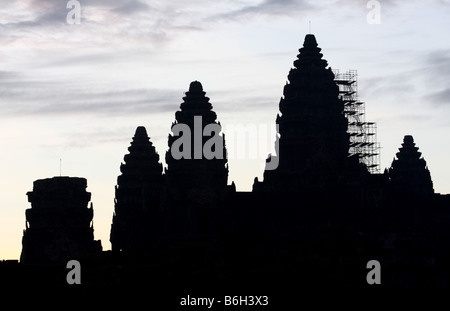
{"points": [[77, 92]]}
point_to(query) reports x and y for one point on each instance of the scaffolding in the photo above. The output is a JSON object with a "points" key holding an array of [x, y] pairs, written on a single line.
{"points": [[363, 134]]}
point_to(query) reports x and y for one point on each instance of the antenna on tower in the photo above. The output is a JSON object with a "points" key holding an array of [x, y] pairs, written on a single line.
{"points": [[309, 27], [60, 166]]}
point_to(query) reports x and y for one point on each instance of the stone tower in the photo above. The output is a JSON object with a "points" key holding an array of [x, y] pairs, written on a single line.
{"points": [[138, 196], [312, 128], [59, 223], [197, 169], [409, 173], [202, 171]]}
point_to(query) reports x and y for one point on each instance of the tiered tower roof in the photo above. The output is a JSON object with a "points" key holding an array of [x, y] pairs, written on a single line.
{"points": [[409, 172], [197, 174], [142, 162], [138, 194], [313, 144]]}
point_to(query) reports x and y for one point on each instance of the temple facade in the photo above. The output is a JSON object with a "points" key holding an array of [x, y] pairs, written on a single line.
{"points": [[318, 217]]}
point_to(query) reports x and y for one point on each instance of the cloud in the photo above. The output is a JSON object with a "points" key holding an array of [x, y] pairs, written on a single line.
{"points": [[436, 77], [100, 19], [135, 20], [113, 102], [23, 96], [131, 7], [440, 98], [93, 136], [266, 7], [437, 64]]}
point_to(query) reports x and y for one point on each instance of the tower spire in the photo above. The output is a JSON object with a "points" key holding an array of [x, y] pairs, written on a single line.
{"points": [[313, 143], [138, 194], [409, 173], [200, 182]]}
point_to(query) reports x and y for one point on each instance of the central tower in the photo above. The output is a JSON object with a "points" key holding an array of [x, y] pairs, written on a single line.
{"points": [[312, 127]]}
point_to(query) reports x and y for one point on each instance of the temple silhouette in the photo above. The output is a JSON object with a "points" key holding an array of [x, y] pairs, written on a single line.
{"points": [[318, 217], [59, 223]]}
